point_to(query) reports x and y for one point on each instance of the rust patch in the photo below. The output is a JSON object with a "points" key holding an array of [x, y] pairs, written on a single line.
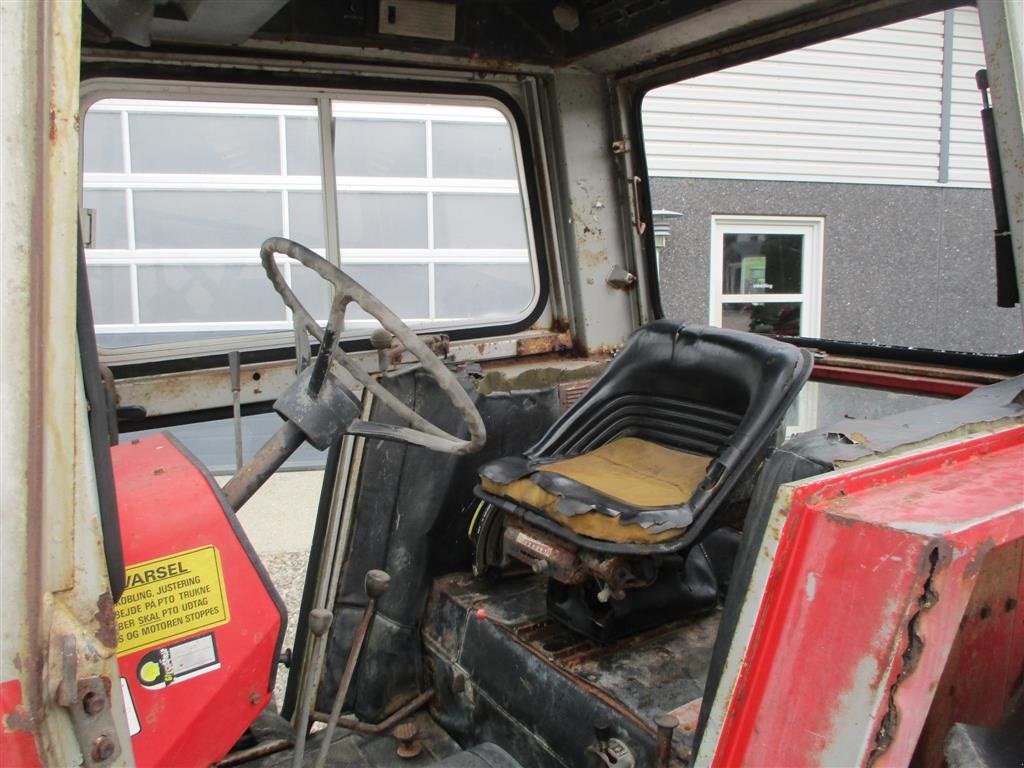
{"points": [[53, 126], [911, 657], [19, 720], [106, 633], [606, 350], [541, 377], [544, 345]]}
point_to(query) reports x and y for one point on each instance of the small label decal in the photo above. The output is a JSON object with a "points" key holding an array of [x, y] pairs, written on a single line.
{"points": [[171, 597], [174, 663], [532, 545]]}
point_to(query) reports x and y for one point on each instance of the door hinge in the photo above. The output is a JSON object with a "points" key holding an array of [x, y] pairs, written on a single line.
{"points": [[87, 700]]}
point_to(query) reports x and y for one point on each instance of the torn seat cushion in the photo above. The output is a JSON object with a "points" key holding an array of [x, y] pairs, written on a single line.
{"points": [[628, 491]]}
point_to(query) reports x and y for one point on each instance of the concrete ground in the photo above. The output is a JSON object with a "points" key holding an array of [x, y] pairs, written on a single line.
{"points": [[279, 520]]}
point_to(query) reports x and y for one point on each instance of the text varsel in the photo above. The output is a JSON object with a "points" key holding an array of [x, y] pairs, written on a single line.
{"points": [[158, 573]]}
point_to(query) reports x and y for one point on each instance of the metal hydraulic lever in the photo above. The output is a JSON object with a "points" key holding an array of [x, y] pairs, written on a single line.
{"points": [[376, 585]]}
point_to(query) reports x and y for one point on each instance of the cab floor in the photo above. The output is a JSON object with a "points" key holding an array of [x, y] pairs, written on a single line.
{"points": [[358, 750]]}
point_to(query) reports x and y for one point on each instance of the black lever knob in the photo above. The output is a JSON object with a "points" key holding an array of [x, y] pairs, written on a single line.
{"points": [[377, 583]]}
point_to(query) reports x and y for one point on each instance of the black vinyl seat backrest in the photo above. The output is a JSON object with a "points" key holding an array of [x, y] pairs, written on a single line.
{"points": [[709, 391]]}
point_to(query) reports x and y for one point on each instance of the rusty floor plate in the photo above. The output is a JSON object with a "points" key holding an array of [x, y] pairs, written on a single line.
{"points": [[654, 672]]}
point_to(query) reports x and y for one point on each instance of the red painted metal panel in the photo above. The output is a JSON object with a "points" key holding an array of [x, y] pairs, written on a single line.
{"points": [[198, 622], [17, 745], [986, 658], [872, 575]]}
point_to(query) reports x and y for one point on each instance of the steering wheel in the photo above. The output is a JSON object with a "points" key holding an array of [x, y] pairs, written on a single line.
{"points": [[346, 290]]}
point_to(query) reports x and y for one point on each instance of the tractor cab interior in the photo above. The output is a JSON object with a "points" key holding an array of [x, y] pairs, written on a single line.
{"points": [[627, 511], [543, 495]]}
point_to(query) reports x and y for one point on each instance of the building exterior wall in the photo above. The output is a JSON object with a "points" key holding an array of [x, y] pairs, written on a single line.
{"points": [[865, 109], [901, 265]]}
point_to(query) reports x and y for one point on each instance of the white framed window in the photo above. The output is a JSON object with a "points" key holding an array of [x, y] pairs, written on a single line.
{"points": [[766, 278], [429, 211], [766, 274]]}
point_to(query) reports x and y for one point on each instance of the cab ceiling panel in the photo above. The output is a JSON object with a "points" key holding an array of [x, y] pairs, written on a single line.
{"points": [[219, 22], [532, 31], [654, 39], [546, 32]]}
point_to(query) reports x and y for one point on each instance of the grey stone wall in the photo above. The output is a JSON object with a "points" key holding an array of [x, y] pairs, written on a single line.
{"points": [[902, 265]]}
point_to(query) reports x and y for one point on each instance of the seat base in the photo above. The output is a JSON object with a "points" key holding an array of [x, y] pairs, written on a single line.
{"points": [[685, 589], [577, 608], [607, 597]]}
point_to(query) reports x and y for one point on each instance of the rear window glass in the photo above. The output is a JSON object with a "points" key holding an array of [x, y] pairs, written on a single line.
{"points": [[179, 195]]}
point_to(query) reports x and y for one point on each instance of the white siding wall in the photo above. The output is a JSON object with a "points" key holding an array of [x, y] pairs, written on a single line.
{"points": [[967, 163], [862, 109]]}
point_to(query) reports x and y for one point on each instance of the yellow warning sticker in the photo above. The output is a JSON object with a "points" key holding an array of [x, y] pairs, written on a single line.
{"points": [[171, 597]]}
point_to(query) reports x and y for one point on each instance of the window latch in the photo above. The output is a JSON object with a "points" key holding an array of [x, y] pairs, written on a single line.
{"points": [[638, 221], [89, 227]]}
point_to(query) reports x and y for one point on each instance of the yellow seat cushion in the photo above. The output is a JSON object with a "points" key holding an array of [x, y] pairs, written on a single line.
{"points": [[631, 470]]}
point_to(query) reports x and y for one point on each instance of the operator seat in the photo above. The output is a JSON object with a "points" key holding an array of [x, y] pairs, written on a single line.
{"points": [[628, 480]]}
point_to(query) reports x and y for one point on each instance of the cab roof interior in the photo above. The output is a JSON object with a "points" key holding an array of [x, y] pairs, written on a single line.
{"points": [[600, 35]]}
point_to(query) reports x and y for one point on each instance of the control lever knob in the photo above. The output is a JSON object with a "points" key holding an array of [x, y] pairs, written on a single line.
{"points": [[319, 621], [667, 725], [376, 584], [380, 338]]}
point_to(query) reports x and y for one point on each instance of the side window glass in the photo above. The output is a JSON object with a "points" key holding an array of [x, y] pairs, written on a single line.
{"points": [[839, 190], [180, 195], [836, 191]]}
